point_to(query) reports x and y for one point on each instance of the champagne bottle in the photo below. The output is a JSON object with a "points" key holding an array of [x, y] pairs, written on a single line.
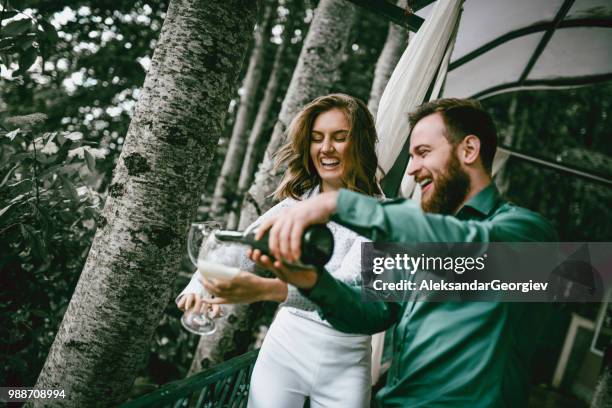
{"points": [[317, 243]]}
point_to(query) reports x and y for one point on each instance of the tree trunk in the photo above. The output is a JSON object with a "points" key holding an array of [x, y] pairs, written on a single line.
{"points": [[224, 195], [252, 155], [314, 75], [395, 44], [602, 395], [126, 282]]}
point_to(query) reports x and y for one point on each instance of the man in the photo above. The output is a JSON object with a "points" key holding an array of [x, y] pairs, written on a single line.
{"points": [[448, 353]]}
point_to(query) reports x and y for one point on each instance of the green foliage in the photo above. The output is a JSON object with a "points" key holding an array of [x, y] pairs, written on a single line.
{"points": [[24, 38], [571, 127], [357, 69], [93, 60], [86, 82], [47, 221]]}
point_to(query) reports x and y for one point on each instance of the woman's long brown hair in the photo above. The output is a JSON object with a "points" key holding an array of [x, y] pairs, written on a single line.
{"points": [[360, 160]]}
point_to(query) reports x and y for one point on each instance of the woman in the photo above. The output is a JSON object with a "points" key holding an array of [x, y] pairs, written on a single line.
{"points": [[331, 146]]}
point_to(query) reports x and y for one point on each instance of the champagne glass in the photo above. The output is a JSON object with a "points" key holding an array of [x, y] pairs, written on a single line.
{"points": [[201, 247]]}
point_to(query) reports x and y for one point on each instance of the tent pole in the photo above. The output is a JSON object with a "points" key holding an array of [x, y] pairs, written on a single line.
{"points": [[560, 167]]}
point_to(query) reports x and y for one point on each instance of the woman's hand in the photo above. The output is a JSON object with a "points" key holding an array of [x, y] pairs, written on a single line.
{"points": [[196, 303], [245, 287]]}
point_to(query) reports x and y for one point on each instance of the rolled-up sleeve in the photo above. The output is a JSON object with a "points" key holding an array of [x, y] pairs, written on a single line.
{"points": [[194, 286]]}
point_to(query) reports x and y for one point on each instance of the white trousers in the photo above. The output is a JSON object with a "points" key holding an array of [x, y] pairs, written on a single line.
{"points": [[302, 358]]}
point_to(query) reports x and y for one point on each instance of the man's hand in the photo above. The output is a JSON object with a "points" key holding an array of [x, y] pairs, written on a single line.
{"points": [[286, 229], [304, 278], [245, 287]]}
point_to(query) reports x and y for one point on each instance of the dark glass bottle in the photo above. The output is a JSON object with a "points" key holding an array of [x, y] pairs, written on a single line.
{"points": [[317, 243]]}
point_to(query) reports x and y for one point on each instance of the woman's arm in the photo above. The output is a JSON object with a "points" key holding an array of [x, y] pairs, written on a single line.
{"points": [[194, 286], [340, 304], [246, 287]]}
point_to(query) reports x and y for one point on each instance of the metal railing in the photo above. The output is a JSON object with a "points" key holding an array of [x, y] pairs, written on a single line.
{"points": [[224, 385]]}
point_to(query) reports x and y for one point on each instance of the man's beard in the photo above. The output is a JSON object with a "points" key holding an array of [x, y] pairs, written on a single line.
{"points": [[450, 189]]}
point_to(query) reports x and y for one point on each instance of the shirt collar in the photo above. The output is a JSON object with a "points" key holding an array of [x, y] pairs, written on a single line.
{"points": [[484, 202]]}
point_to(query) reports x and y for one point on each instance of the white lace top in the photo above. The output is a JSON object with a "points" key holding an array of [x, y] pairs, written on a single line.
{"points": [[344, 265]]}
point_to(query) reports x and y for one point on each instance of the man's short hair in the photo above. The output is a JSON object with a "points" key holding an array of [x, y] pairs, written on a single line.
{"points": [[462, 117]]}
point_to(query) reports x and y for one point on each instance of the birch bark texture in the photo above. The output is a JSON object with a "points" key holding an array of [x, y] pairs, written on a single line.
{"points": [[263, 118], [315, 74], [127, 279], [395, 44], [230, 171]]}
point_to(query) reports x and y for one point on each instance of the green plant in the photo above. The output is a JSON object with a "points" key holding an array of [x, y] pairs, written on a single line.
{"points": [[48, 212], [23, 37]]}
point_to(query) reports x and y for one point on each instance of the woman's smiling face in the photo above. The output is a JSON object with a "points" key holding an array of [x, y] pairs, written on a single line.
{"points": [[328, 147]]}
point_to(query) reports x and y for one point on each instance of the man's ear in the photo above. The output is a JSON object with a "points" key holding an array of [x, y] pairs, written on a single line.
{"points": [[469, 151]]}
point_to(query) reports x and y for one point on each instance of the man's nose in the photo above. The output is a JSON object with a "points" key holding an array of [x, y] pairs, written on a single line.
{"points": [[413, 166]]}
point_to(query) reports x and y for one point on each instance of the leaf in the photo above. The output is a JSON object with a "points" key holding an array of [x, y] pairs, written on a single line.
{"points": [[21, 187], [16, 27], [49, 136], [27, 59], [6, 43], [24, 231], [49, 172], [49, 30], [7, 59], [41, 158], [91, 162], [70, 190], [5, 209], [20, 157], [11, 135], [9, 14], [28, 43], [38, 248], [17, 199], [70, 168], [8, 175], [74, 136], [18, 4]]}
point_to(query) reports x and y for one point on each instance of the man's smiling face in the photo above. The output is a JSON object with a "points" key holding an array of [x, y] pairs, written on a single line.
{"points": [[436, 167]]}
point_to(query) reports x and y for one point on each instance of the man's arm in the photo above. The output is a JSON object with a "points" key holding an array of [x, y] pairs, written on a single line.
{"points": [[394, 221], [342, 306], [404, 221], [340, 303], [397, 221]]}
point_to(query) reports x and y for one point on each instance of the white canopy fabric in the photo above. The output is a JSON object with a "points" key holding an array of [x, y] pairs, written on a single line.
{"points": [[529, 44], [412, 78], [408, 186], [502, 46]]}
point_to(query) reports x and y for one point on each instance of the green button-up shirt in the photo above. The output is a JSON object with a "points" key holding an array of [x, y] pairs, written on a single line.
{"points": [[460, 354]]}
